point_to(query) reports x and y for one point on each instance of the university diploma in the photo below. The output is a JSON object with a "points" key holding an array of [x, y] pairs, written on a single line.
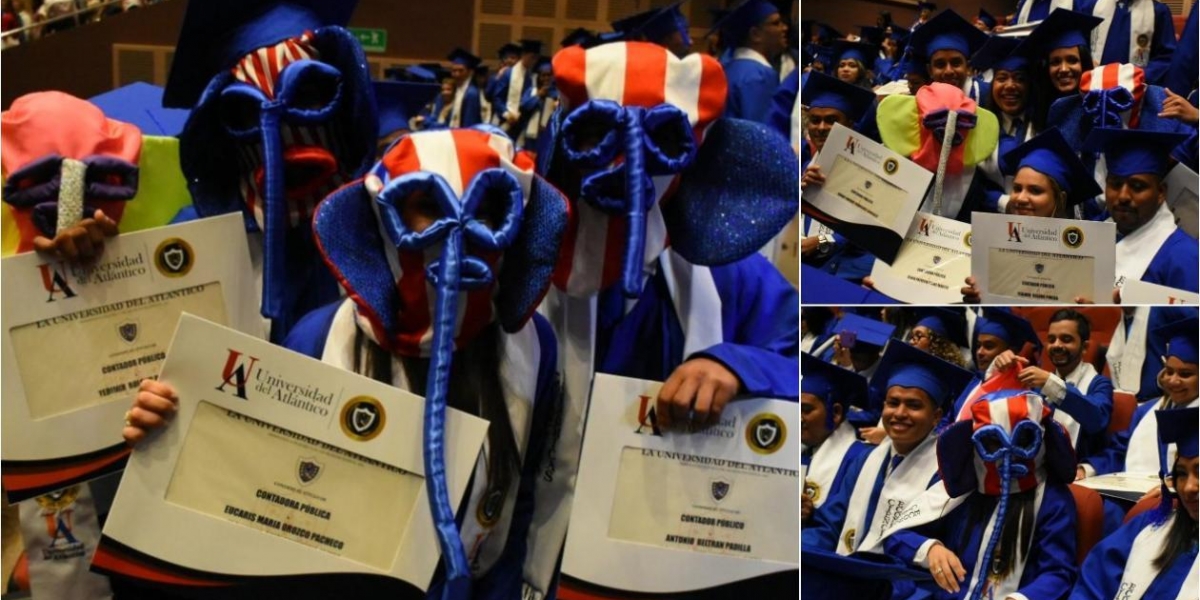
{"points": [[1037, 260], [932, 264]]}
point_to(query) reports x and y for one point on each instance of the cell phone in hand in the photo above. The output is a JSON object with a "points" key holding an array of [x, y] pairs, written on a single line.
{"points": [[847, 339]]}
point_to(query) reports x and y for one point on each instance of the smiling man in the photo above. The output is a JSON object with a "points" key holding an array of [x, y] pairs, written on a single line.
{"points": [[946, 43]]}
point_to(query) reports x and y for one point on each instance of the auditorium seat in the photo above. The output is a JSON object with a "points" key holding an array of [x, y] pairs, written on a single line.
{"points": [[1124, 405], [1090, 525]]}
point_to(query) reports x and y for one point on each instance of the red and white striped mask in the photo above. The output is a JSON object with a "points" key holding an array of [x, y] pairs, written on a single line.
{"points": [[1009, 441], [634, 116], [470, 180], [1112, 95]]}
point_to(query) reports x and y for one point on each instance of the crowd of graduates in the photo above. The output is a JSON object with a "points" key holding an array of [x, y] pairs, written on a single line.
{"points": [[950, 439], [1066, 109]]}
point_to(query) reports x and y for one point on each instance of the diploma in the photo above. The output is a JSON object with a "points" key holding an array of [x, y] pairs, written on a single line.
{"points": [[662, 511], [1183, 195], [932, 264], [1037, 260], [1140, 292], [1124, 486], [277, 466], [870, 193], [79, 339]]}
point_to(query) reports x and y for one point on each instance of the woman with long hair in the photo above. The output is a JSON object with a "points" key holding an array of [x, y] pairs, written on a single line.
{"points": [[1154, 554], [851, 60], [1059, 54]]}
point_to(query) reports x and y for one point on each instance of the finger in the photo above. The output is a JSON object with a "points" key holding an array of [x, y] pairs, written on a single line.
{"points": [[42, 243], [82, 242], [95, 231], [702, 410], [957, 567], [158, 388], [681, 403], [662, 405], [133, 435], [139, 417], [66, 247], [154, 403]]}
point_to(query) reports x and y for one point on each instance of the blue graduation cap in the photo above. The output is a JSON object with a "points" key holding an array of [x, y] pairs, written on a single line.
{"points": [[910, 63], [824, 55], [868, 332], [1015, 330], [413, 73], [606, 37], [439, 72], [736, 25], [1181, 427], [665, 22], [577, 37], [1179, 338], [215, 34], [510, 49], [905, 366], [831, 383], [1134, 151], [140, 103], [460, 56], [947, 31], [823, 91], [987, 19], [949, 323], [544, 65], [900, 36], [531, 47], [826, 33], [871, 34], [1062, 29], [863, 53], [1051, 155], [399, 101], [1000, 53]]}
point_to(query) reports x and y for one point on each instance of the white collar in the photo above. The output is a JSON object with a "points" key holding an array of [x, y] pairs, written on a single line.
{"points": [[745, 53]]}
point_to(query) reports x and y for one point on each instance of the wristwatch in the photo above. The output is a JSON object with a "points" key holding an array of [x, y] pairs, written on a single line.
{"points": [[824, 244]]}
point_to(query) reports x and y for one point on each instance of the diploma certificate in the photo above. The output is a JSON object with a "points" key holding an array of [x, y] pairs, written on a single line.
{"points": [[1183, 196], [932, 264], [277, 467], [1125, 486], [80, 340], [1140, 292], [1037, 260], [870, 193], [663, 511]]}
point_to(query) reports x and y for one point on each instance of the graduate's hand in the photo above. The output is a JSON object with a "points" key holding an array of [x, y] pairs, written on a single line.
{"points": [[841, 356], [1155, 493], [1177, 107], [812, 176], [868, 283], [155, 403], [1080, 473], [701, 386], [970, 292], [872, 435], [1006, 358], [80, 243], [806, 508], [1033, 377], [809, 245], [945, 567], [1083, 300]]}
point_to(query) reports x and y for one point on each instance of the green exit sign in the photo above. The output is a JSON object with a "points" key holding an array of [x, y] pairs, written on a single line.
{"points": [[372, 40]]}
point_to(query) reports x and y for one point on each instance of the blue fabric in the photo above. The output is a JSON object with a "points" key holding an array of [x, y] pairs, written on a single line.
{"points": [[760, 325], [1174, 265], [779, 117], [1184, 70], [1092, 409], [1162, 44], [823, 529], [1050, 566], [1099, 577], [471, 109], [499, 93], [1112, 459], [751, 85]]}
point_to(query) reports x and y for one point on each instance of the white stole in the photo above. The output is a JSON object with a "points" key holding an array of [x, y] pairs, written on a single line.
{"points": [[825, 462], [795, 130], [1081, 378], [456, 107], [1141, 22], [61, 531], [1136, 250], [1141, 455], [901, 486], [744, 53], [1127, 351], [1140, 573], [516, 85], [1023, 16]]}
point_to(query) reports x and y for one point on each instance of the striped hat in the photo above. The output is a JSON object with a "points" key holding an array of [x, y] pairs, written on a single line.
{"points": [[646, 159], [1112, 94]]}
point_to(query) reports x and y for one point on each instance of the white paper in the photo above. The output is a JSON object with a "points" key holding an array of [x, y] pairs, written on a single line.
{"points": [[1183, 195], [933, 263], [1140, 292], [1036, 260]]}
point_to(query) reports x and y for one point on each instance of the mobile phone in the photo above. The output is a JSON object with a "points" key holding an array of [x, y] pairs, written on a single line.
{"points": [[847, 339]]}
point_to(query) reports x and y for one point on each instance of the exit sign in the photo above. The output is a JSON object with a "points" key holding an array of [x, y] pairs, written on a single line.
{"points": [[372, 40]]}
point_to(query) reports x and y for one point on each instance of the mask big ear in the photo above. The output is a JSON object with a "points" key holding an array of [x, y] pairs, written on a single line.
{"points": [[956, 458], [528, 264], [739, 192], [982, 140], [898, 123]]}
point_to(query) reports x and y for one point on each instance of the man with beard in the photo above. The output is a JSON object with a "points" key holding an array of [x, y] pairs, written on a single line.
{"points": [[758, 34], [998, 330], [1081, 396]]}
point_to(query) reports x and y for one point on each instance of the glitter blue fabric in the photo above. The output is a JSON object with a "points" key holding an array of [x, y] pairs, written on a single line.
{"points": [[529, 263]]}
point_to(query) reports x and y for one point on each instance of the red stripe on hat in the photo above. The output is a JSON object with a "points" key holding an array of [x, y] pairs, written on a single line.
{"points": [[1110, 76], [1018, 409], [713, 91], [474, 154], [570, 66], [403, 158], [644, 84], [411, 291], [275, 62]]}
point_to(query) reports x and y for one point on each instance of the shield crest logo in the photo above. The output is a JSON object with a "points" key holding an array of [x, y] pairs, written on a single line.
{"points": [[867, 184], [1039, 268], [719, 489], [937, 260], [1072, 237], [765, 433], [175, 258], [362, 418], [308, 470], [128, 331]]}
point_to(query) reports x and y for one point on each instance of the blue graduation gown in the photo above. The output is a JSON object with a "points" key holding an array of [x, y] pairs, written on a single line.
{"points": [[1112, 459], [1041, 8], [1050, 566], [504, 579], [1100, 575], [760, 327], [1092, 409], [883, 70], [779, 117], [1182, 75], [500, 97], [825, 526], [751, 85], [1162, 44], [472, 111], [1174, 265]]}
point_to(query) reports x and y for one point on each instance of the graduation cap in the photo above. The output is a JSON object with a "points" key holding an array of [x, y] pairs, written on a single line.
{"points": [[665, 22], [140, 103], [1134, 151], [531, 47], [826, 33], [905, 366], [511, 49], [1015, 330], [736, 25], [1181, 427], [577, 37], [215, 34], [823, 54], [439, 72], [1062, 29], [544, 65], [413, 73], [871, 34], [461, 57], [926, 6], [1000, 53], [831, 383], [868, 333], [910, 63], [1179, 338], [947, 31], [945, 322], [398, 101], [987, 19], [823, 91], [1051, 155], [630, 24], [863, 53], [900, 36]]}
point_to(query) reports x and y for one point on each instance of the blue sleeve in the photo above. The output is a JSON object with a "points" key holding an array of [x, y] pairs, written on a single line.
{"points": [[1174, 265], [1092, 409], [471, 109], [779, 118], [749, 95], [992, 191], [826, 523], [1182, 76], [309, 334], [1099, 577], [1051, 567], [761, 316], [1112, 459], [1163, 46], [500, 100]]}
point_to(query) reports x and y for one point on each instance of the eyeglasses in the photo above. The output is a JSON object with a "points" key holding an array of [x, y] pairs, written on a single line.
{"points": [[917, 336]]}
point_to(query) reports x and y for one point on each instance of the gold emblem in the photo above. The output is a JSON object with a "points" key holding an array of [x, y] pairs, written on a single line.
{"points": [[362, 418], [848, 539], [765, 433], [1072, 237], [58, 499], [174, 257], [890, 166], [812, 489]]}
